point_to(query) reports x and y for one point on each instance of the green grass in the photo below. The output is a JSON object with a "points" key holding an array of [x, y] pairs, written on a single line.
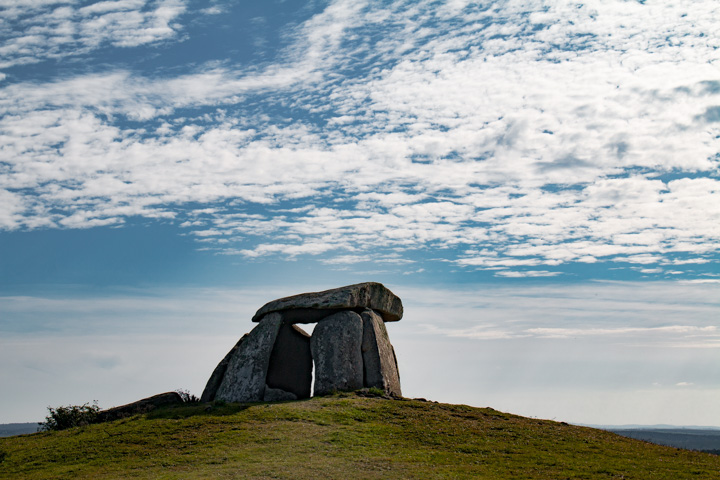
{"points": [[343, 436]]}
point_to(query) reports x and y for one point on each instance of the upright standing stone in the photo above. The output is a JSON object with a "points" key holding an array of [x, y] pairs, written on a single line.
{"points": [[379, 361], [290, 364], [218, 374], [336, 348], [244, 379]]}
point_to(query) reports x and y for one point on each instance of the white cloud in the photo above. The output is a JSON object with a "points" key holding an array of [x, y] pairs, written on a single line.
{"points": [[527, 273], [36, 31], [623, 331], [214, 10], [662, 313], [542, 134], [703, 281]]}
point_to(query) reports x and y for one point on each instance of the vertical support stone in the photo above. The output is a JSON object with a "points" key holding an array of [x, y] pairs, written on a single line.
{"points": [[336, 348], [244, 379], [290, 364], [218, 374], [380, 364]]}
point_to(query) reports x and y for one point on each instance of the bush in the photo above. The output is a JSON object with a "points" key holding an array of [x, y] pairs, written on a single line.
{"points": [[186, 396], [70, 416]]}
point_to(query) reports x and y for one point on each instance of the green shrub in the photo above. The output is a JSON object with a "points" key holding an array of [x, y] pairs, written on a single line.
{"points": [[186, 396], [70, 416]]}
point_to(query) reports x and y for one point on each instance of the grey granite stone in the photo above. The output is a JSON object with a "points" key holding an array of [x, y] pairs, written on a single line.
{"points": [[380, 364], [213, 383], [336, 348], [244, 379], [141, 406], [309, 306], [277, 395]]}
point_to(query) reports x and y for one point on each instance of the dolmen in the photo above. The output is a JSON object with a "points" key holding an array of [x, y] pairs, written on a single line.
{"points": [[349, 348]]}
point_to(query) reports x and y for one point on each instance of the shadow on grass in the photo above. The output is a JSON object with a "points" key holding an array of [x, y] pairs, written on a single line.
{"points": [[177, 412]]}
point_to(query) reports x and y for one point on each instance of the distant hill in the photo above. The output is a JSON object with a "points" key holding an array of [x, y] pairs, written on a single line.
{"points": [[10, 429], [341, 437], [704, 440]]}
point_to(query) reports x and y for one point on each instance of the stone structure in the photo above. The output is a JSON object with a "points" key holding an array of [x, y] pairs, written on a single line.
{"points": [[141, 406], [349, 347]]}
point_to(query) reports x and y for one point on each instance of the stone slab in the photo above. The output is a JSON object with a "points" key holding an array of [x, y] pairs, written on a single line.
{"points": [[379, 362], [213, 383], [141, 406], [308, 315], [359, 296], [336, 348], [278, 395], [244, 379], [291, 362]]}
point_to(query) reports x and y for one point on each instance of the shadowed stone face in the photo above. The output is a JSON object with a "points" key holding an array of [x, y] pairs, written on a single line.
{"points": [[360, 296], [336, 348], [277, 395], [308, 315], [379, 361], [291, 362]]}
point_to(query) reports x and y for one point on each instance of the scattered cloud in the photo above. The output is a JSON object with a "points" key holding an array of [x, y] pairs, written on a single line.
{"points": [[682, 335], [33, 31], [510, 138], [657, 315], [622, 331], [527, 273]]}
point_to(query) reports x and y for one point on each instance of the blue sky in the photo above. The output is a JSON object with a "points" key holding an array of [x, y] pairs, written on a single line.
{"points": [[539, 181]]}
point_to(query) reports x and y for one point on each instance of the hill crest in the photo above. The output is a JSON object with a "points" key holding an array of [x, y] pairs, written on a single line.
{"points": [[342, 436]]}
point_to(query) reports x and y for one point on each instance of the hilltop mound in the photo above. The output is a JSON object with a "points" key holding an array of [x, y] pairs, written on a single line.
{"points": [[342, 436]]}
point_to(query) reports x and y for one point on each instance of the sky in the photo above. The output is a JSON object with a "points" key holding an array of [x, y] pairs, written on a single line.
{"points": [[538, 181]]}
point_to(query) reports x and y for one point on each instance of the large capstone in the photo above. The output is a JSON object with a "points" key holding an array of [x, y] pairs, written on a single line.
{"points": [[244, 379], [336, 348], [313, 307], [380, 364]]}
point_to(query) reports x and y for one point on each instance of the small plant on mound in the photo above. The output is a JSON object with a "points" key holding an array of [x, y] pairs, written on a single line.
{"points": [[61, 418], [186, 396]]}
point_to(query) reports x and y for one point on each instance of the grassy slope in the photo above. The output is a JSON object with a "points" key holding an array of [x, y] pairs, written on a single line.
{"points": [[344, 436]]}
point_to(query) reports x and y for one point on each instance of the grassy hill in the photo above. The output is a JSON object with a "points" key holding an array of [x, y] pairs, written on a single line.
{"points": [[343, 436]]}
